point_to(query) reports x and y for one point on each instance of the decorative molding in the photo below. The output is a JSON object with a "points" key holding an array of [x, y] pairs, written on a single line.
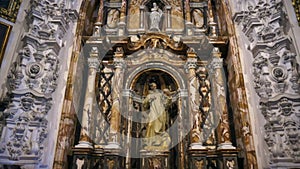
{"points": [[32, 81], [276, 78]]}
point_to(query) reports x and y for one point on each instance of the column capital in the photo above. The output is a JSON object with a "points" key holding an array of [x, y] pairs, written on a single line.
{"points": [[216, 63], [93, 63], [191, 63], [119, 63]]}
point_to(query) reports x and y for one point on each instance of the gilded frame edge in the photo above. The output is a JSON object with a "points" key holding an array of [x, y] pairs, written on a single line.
{"points": [[4, 44], [11, 12]]}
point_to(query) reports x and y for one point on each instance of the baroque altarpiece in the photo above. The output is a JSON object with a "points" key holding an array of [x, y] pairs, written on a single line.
{"points": [[153, 84]]}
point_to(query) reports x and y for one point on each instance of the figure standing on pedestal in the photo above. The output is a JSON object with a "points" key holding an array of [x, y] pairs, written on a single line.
{"points": [[157, 103], [155, 17]]}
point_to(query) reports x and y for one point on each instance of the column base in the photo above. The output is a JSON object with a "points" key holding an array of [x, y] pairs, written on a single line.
{"points": [[113, 145], [84, 144], [197, 146], [226, 146]]}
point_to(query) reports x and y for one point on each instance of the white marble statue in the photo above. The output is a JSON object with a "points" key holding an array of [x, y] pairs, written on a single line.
{"points": [[155, 17], [198, 18], [113, 18]]}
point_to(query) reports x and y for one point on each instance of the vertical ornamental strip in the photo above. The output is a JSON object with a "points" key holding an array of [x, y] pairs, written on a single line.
{"points": [[32, 82], [276, 79]]}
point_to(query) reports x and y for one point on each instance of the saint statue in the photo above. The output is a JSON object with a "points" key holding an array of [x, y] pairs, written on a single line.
{"points": [[198, 18], [113, 18], [155, 17], [157, 103]]}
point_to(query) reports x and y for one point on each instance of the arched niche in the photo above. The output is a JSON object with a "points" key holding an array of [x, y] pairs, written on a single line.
{"points": [[141, 86], [166, 77]]}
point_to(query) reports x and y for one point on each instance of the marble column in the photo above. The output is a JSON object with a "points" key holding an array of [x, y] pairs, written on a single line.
{"points": [[128, 104], [183, 125], [219, 100], [85, 133], [117, 84], [196, 140]]}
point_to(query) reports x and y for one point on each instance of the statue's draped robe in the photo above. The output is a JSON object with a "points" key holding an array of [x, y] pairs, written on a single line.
{"points": [[155, 18], [157, 116]]}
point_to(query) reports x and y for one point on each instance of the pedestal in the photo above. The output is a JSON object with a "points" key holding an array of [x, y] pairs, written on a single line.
{"points": [[155, 159], [82, 158], [228, 159], [112, 158], [226, 146], [121, 28], [86, 158], [189, 28], [198, 158], [98, 158]]}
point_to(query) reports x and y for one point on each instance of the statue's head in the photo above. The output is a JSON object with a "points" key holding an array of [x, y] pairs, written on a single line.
{"points": [[155, 7], [153, 86]]}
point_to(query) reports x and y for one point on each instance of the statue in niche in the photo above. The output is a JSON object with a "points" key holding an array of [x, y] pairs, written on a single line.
{"points": [[155, 17], [113, 18], [157, 102], [198, 18]]}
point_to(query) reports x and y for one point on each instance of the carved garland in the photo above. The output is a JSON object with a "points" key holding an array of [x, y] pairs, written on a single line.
{"points": [[276, 78]]}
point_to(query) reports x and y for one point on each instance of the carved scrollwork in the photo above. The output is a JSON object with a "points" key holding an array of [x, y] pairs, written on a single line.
{"points": [[154, 40]]}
